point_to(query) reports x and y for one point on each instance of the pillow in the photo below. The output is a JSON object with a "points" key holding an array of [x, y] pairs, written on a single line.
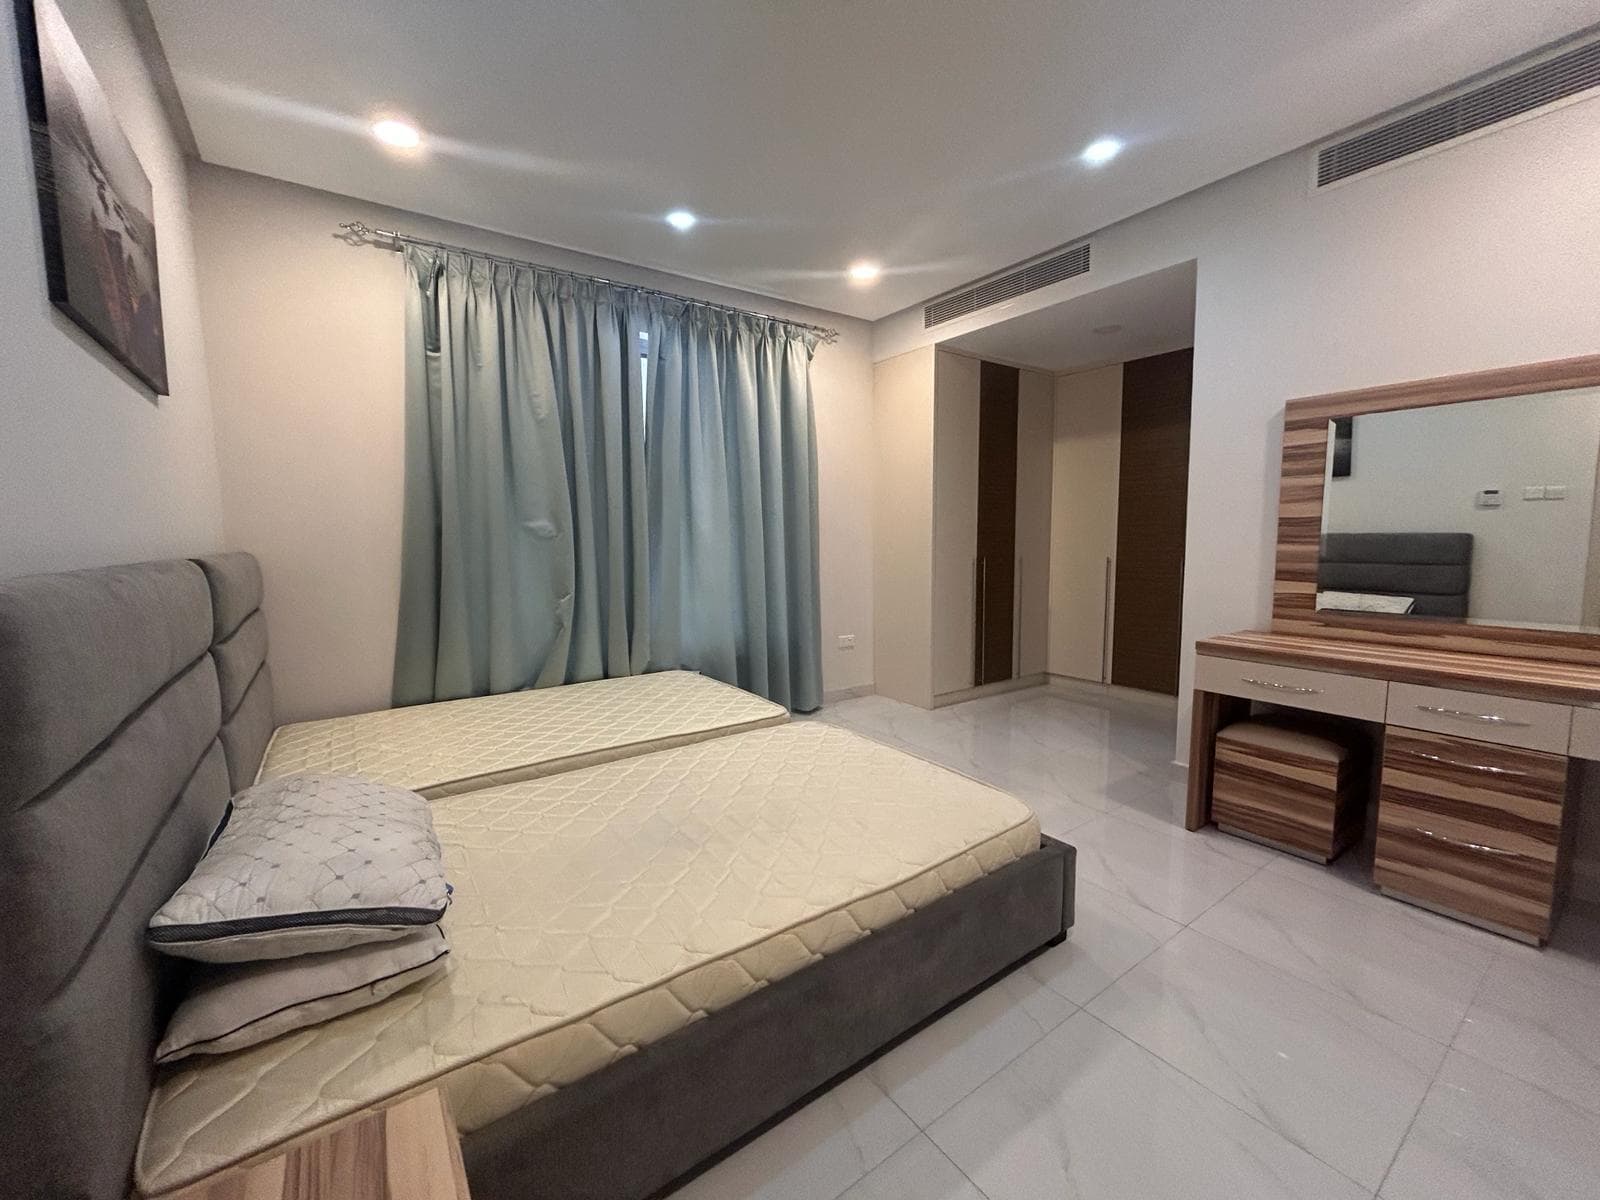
{"points": [[308, 864], [236, 1005]]}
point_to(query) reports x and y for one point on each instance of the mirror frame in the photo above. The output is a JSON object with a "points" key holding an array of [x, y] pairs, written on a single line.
{"points": [[1305, 450]]}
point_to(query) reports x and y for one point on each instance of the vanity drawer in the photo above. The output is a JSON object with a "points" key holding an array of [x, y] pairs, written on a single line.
{"points": [[1530, 724], [1319, 691], [1471, 827]]}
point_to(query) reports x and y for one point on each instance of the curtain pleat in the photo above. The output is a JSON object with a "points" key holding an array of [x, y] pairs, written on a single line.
{"points": [[521, 558], [733, 491], [563, 522]]}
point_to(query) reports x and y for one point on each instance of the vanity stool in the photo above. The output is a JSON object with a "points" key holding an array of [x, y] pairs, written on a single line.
{"points": [[1294, 787]]}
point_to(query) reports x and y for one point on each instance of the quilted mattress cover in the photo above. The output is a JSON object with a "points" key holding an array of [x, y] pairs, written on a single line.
{"points": [[599, 910], [459, 745]]}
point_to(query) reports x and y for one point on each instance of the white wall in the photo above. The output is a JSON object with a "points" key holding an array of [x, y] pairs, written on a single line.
{"points": [[95, 469], [1420, 470], [1483, 255], [1085, 466], [306, 366], [902, 525]]}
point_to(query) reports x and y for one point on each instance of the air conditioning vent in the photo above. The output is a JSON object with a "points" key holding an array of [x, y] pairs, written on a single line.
{"points": [[1040, 273], [1545, 82]]}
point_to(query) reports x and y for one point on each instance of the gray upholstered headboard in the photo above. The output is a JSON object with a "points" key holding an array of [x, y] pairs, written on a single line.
{"points": [[114, 777], [1435, 568], [239, 645]]}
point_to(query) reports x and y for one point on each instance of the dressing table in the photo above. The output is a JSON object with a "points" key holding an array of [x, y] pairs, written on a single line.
{"points": [[1481, 723]]}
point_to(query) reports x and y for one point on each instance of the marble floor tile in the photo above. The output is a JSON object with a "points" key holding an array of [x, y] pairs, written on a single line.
{"points": [[1421, 974], [1112, 935], [934, 1069], [1541, 1023], [813, 1155], [1485, 1135], [1332, 1077], [1088, 1115], [1178, 877], [916, 1171]]}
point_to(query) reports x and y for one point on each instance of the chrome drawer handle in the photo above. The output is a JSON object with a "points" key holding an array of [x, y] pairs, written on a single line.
{"points": [[1478, 846], [1467, 766], [1281, 687], [1491, 718]]}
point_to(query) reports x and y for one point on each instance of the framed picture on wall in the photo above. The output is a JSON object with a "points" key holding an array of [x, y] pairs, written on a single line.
{"points": [[95, 203]]}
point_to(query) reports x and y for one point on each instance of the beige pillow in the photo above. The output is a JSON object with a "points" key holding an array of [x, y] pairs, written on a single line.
{"points": [[235, 1005]]}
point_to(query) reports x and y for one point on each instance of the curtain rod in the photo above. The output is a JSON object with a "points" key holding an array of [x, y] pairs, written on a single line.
{"points": [[361, 231]]}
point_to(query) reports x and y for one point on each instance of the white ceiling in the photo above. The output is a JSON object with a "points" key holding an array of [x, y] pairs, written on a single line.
{"points": [[935, 136], [1148, 315]]}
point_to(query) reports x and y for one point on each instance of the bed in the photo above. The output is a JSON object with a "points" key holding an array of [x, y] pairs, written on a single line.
{"points": [[460, 745], [1431, 570], [777, 905]]}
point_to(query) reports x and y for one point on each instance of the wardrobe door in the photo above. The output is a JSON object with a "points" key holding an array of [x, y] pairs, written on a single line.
{"points": [[1152, 510], [994, 626]]}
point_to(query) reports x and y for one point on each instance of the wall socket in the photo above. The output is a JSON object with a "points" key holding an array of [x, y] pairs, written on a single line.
{"points": [[847, 641]]}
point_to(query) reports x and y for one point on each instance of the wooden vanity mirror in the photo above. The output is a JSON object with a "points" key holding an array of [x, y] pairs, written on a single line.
{"points": [[1458, 513]]}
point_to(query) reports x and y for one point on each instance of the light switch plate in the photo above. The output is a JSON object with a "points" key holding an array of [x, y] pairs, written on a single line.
{"points": [[847, 641], [1555, 491], [1533, 493]]}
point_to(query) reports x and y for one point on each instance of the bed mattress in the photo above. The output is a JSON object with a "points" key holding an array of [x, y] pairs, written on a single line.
{"points": [[600, 910], [459, 745]]}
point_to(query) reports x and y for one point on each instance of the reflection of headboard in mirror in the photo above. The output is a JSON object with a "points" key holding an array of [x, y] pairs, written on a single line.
{"points": [[1401, 535]]}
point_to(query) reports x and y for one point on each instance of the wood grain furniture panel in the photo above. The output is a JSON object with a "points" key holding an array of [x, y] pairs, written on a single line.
{"points": [[1585, 734], [1505, 720], [1305, 441], [1152, 506], [1472, 828], [1316, 691], [994, 621], [1296, 789], [407, 1151]]}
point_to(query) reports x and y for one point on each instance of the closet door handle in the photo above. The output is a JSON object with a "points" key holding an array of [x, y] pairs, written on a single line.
{"points": [[1458, 714], [1484, 768], [983, 619], [1281, 687]]}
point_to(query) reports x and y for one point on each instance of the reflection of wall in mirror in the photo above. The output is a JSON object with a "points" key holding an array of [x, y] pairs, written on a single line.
{"points": [[1418, 471]]}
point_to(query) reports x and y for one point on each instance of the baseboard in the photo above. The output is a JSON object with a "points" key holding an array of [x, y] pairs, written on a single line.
{"points": [[946, 699], [850, 693]]}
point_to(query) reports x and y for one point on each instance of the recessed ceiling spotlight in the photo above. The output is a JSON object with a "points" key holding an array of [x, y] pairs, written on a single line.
{"points": [[1101, 151], [1107, 329], [864, 272], [399, 134], [682, 220]]}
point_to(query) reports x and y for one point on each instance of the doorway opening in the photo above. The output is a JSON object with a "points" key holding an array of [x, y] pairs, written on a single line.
{"points": [[1081, 578]]}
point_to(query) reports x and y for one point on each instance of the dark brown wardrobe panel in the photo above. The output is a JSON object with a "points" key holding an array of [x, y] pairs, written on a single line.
{"points": [[997, 523], [1152, 506]]}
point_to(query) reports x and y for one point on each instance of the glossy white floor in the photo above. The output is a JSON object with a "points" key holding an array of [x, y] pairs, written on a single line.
{"points": [[1224, 1022]]}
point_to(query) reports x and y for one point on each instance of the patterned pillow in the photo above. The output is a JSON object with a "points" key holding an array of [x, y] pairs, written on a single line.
{"points": [[233, 1005], [307, 864]]}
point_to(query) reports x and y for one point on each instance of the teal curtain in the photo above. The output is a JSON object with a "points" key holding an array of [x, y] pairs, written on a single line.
{"points": [[561, 524], [524, 559], [732, 459]]}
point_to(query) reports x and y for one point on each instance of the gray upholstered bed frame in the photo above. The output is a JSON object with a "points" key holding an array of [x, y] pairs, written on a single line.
{"points": [[1434, 568], [134, 701]]}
